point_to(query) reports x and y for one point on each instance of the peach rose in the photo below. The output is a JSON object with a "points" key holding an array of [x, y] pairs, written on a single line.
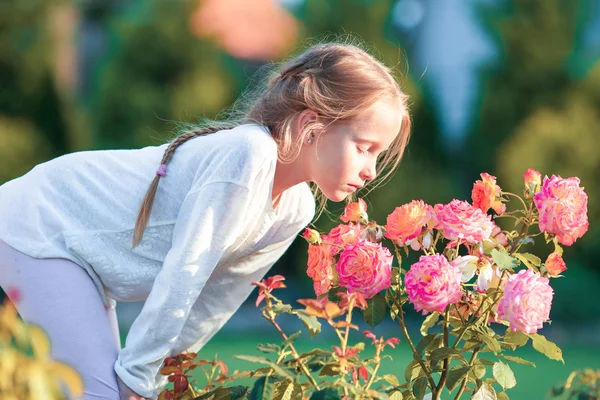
{"points": [[406, 222], [461, 221], [343, 234], [486, 194], [355, 212], [365, 267], [321, 267], [562, 205], [555, 264], [533, 180]]}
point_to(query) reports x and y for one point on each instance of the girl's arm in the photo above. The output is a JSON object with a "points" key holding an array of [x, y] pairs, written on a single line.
{"points": [[209, 221]]}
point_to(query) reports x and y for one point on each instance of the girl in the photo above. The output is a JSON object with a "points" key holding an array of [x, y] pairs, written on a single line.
{"points": [[225, 203]]}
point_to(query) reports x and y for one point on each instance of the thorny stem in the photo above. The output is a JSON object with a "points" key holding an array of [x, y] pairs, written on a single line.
{"points": [[412, 346], [464, 381], [271, 317], [444, 375]]}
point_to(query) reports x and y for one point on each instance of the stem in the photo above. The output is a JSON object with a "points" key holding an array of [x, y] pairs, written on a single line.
{"points": [[377, 364], [444, 376], [295, 354], [523, 231], [464, 382], [412, 346], [518, 197]]}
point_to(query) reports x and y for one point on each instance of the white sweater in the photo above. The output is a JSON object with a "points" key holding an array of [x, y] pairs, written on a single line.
{"points": [[212, 231]]}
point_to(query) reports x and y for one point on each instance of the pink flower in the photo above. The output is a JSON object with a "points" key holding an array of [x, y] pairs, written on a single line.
{"points": [[527, 301], [266, 286], [321, 267], [486, 194], [406, 222], [555, 264], [562, 205], [343, 234], [365, 267], [432, 283], [461, 221], [355, 212], [533, 180]]}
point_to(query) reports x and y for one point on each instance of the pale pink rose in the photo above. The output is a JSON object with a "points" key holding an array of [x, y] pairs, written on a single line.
{"points": [[355, 212], [321, 267], [486, 194], [555, 264], [365, 267], [526, 302], [562, 205], [432, 284], [406, 222], [343, 234], [533, 180], [460, 221]]}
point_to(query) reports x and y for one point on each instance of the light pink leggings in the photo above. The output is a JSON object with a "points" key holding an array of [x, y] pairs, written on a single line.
{"points": [[60, 297]]}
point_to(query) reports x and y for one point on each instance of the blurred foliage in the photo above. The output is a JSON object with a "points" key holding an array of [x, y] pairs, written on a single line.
{"points": [[27, 372]]}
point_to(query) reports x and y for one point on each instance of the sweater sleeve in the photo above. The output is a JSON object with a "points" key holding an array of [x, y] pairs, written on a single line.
{"points": [[209, 221]]}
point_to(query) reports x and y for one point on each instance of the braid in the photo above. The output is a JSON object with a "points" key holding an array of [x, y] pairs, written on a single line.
{"points": [[147, 203]]}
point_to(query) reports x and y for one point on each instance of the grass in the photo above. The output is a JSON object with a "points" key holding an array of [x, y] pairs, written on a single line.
{"points": [[532, 383]]}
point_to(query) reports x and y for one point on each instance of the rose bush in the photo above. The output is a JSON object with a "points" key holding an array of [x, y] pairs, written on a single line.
{"points": [[479, 288]]}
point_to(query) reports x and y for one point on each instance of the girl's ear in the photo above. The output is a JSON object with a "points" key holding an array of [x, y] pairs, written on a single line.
{"points": [[305, 120]]}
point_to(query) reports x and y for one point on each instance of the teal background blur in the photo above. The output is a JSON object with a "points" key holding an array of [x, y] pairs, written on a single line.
{"points": [[496, 86]]}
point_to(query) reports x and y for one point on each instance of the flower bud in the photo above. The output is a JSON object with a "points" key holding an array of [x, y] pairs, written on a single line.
{"points": [[311, 236], [555, 265], [533, 181]]}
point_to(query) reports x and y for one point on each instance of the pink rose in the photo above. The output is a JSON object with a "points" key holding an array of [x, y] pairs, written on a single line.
{"points": [[321, 267], [461, 221], [555, 264], [526, 302], [365, 267], [406, 222], [562, 205], [432, 284], [355, 212], [486, 194]]}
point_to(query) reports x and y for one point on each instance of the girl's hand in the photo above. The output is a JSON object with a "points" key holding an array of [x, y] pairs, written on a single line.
{"points": [[126, 393]]}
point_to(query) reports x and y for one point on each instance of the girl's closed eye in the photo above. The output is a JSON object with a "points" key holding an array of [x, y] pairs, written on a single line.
{"points": [[363, 150]]}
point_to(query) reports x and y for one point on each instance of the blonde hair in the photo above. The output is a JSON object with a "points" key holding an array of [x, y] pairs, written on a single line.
{"points": [[336, 80]]}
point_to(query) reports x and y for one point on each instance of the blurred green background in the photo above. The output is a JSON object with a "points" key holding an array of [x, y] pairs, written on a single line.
{"points": [[497, 86]]}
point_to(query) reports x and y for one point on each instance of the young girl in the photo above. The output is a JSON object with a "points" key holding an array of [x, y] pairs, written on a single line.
{"points": [[224, 204]]}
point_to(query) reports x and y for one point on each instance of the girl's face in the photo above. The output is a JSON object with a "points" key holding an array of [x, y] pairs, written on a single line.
{"points": [[344, 157]]}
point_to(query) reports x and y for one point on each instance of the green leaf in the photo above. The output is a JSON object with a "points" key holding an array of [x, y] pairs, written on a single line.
{"points": [[262, 360], [325, 394], [546, 347], [330, 370], [504, 375], [287, 390], [420, 387], [429, 322], [517, 338], [282, 308], [456, 375], [491, 342], [291, 338], [262, 389], [529, 259], [485, 392], [412, 371], [479, 370], [268, 348], [503, 396], [230, 393], [425, 342], [391, 379], [396, 395], [503, 260], [445, 352], [310, 322], [519, 360], [376, 310]]}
